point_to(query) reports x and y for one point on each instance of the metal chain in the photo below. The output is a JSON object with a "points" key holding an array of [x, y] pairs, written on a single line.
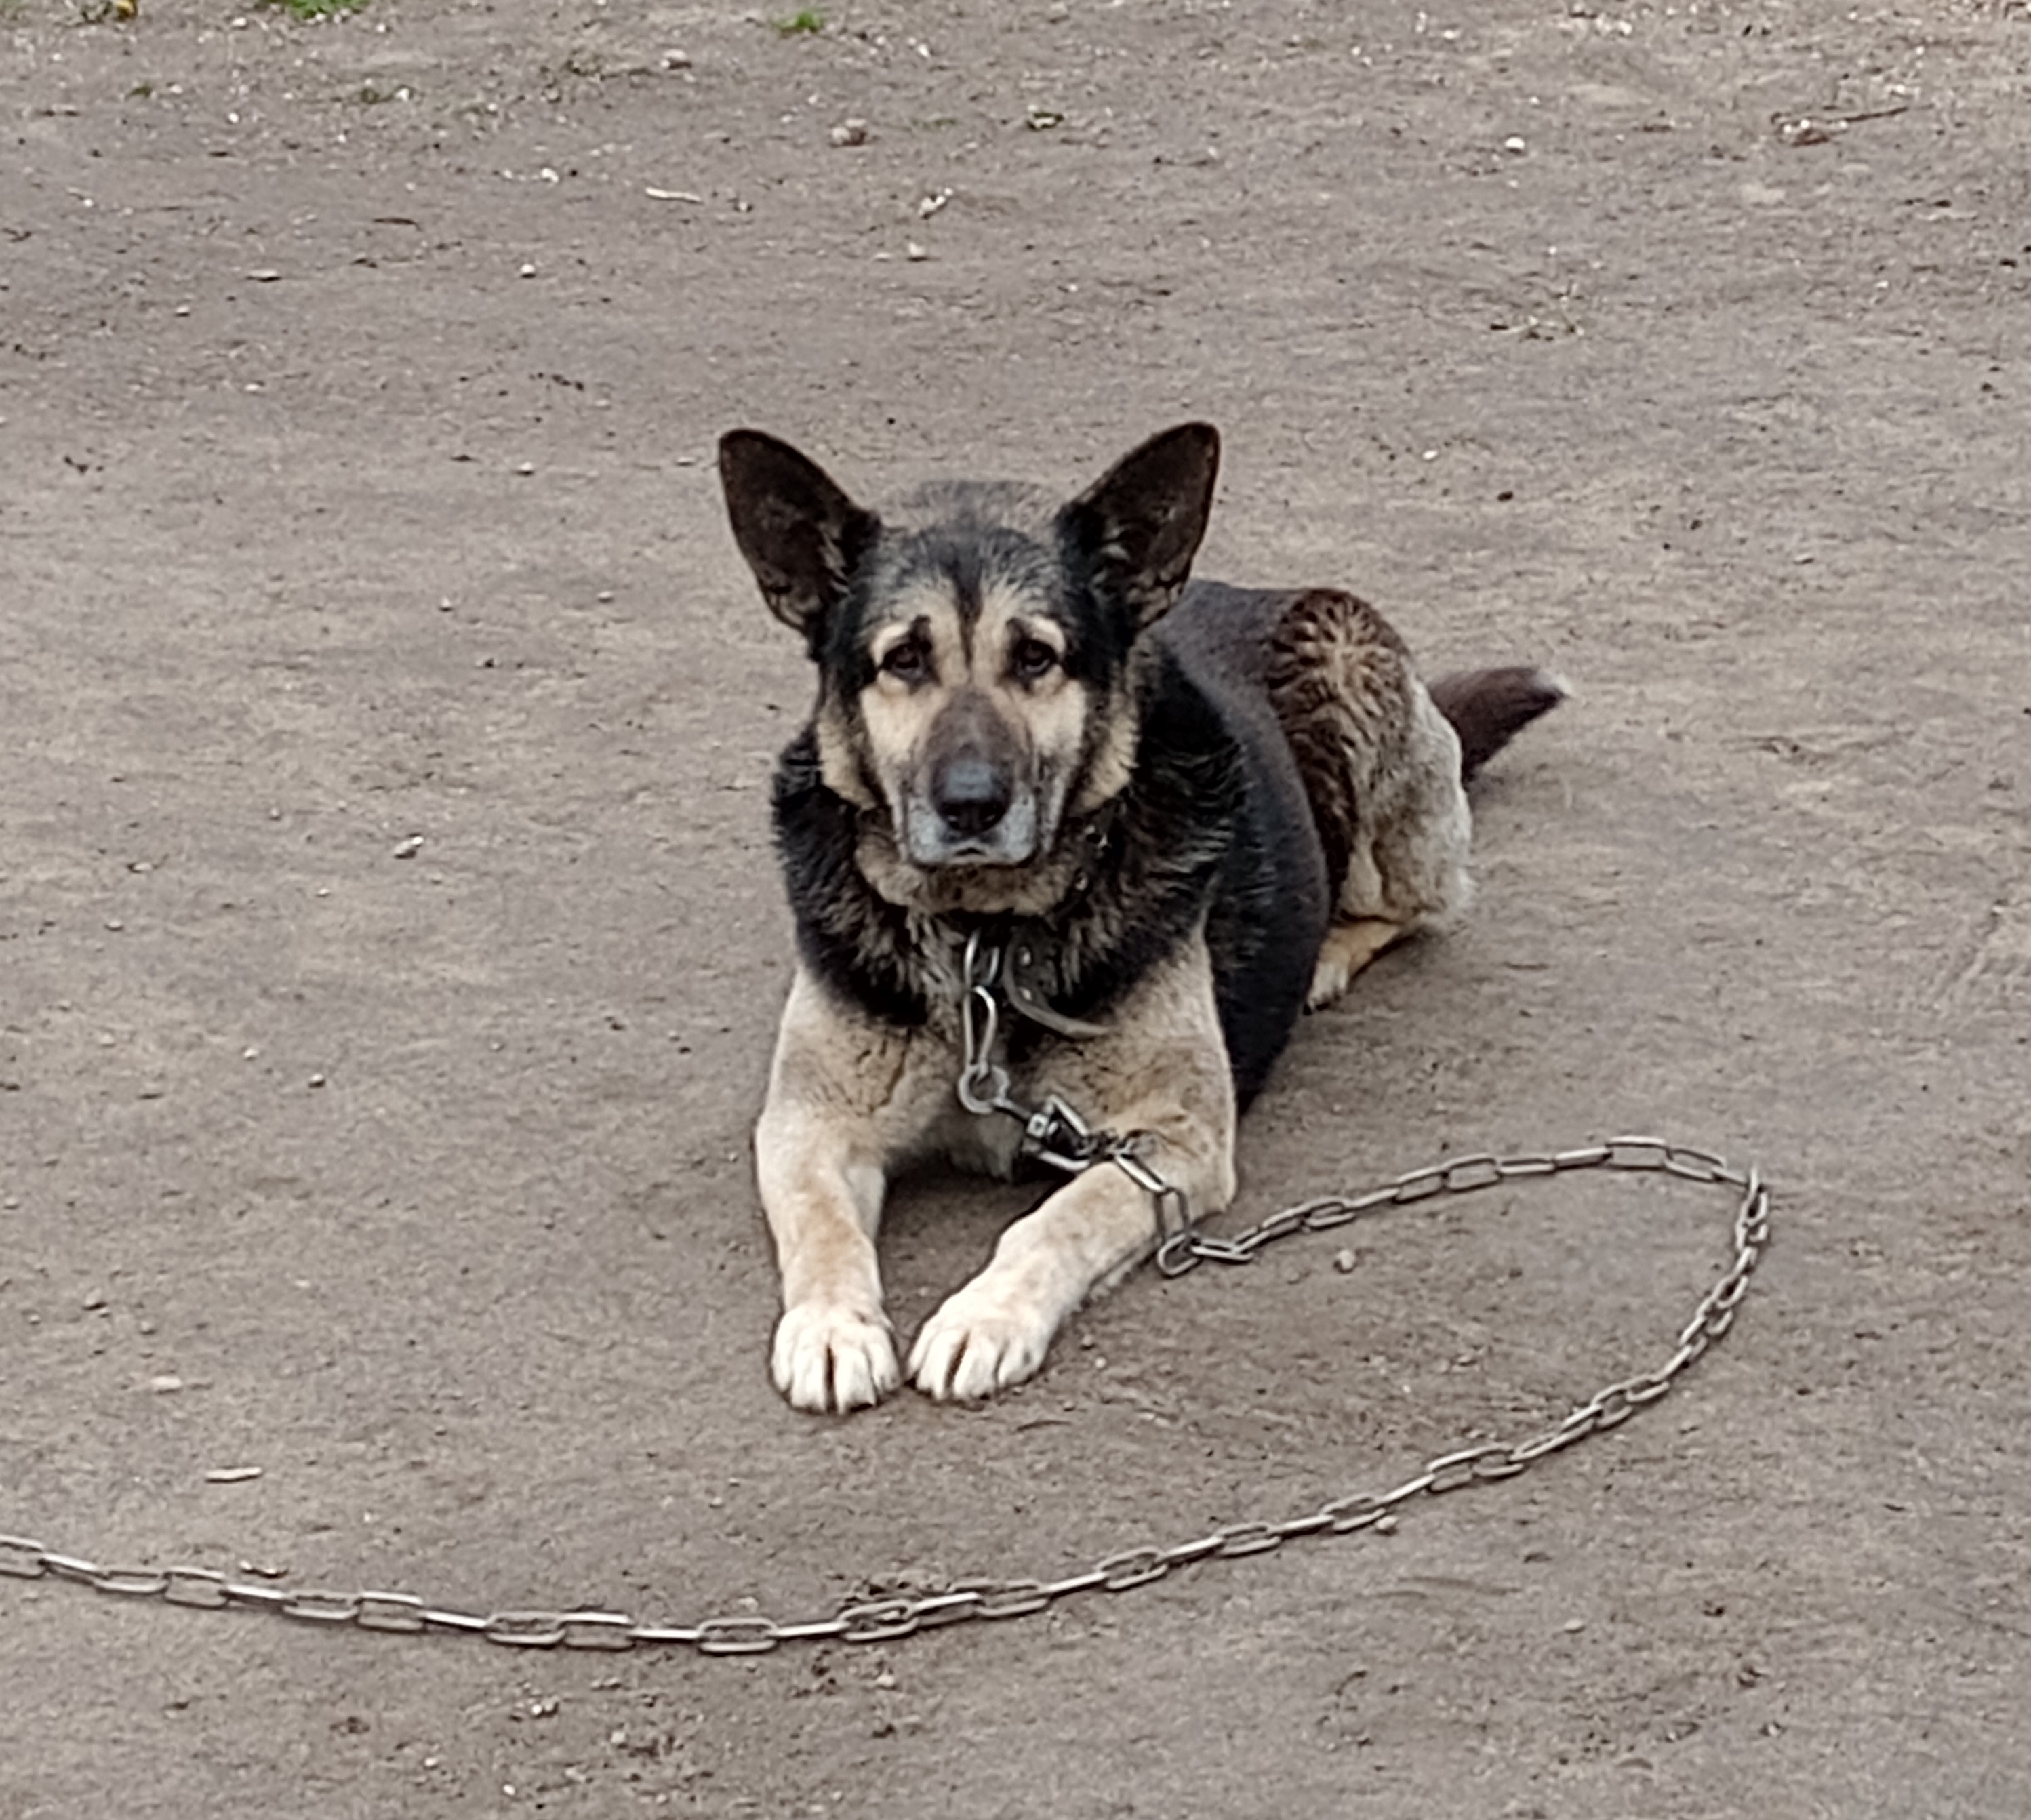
{"points": [[886, 1619], [1053, 1134]]}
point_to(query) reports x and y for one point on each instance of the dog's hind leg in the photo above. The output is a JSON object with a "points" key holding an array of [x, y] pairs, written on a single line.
{"points": [[1385, 762], [1382, 769]]}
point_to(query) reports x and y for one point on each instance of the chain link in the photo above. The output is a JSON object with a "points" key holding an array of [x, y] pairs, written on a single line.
{"points": [[885, 1620]]}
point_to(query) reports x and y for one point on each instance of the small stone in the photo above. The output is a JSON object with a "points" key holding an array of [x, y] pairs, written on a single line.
{"points": [[164, 1383], [1514, 143], [1344, 1261], [528, 271], [677, 60], [317, 1081], [1574, 1624], [850, 132], [912, 250], [231, 1475], [94, 1299], [1384, 1525]]}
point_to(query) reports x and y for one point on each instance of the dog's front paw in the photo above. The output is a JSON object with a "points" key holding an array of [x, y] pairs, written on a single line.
{"points": [[827, 1358], [982, 1341]]}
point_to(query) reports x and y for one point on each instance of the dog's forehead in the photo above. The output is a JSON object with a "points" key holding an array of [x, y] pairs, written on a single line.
{"points": [[964, 553]]}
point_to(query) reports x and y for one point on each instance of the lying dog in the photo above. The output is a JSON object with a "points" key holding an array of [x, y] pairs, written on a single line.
{"points": [[1087, 834]]}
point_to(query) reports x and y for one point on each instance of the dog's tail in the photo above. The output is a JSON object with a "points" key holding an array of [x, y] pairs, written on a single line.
{"points": [[1489, 708]]}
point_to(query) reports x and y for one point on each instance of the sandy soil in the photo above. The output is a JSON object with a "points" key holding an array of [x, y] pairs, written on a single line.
{"points": [[390, 942]]}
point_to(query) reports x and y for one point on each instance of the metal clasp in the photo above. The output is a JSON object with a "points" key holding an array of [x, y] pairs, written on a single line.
{"points": [[1056, 1136]]}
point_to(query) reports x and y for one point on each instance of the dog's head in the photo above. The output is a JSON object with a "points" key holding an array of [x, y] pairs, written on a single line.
{"points": [[973, 648]]}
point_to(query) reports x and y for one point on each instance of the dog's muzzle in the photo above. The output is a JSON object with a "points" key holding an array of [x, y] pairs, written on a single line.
{"points": [[970, 811]]}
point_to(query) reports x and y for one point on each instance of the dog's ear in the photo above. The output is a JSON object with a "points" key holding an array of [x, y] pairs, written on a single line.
{"points": [[1139, 526], [802, 536]]}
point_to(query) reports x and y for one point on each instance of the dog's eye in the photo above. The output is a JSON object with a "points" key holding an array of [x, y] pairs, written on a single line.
{"points": [[1031, 660], [907, 662]]}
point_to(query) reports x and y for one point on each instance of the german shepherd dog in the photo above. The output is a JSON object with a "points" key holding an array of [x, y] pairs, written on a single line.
{"points": [[1187, 810]]}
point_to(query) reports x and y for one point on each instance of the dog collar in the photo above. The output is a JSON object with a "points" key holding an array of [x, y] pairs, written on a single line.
{"points": [[1005, 973]]}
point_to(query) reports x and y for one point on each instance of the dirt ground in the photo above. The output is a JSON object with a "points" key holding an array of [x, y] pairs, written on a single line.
{"points": [[390, 942]]}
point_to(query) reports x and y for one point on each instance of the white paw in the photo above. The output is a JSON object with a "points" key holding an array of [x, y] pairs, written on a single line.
{"points": [[1330, 978], [982, 1341], [830, 1358]]}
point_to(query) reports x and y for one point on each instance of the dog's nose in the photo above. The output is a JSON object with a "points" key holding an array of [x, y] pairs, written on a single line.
{"points": [[972, 795]]}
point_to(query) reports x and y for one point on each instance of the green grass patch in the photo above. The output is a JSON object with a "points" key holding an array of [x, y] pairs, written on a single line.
{"points": [[307, 11], [810, 22]]}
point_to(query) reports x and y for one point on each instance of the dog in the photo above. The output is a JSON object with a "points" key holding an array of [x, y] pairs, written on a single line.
{"points": [[1172, 814]]}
